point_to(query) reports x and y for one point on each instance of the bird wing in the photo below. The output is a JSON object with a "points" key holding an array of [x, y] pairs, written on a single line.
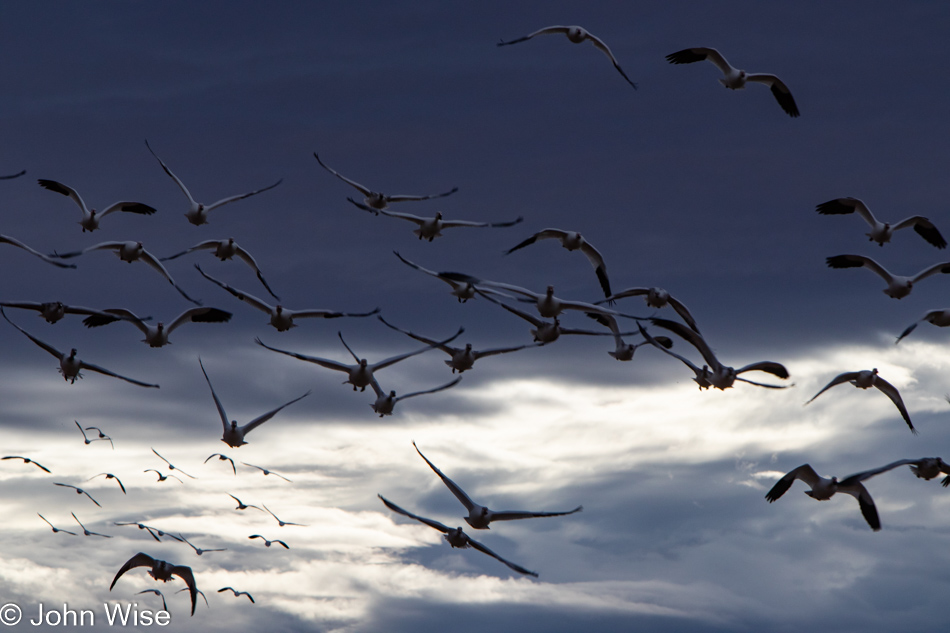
{"points": [[602, 46], [250, 261], [910, 328], [421, 339], [139, 560], [856, 261], [186, 574], [511, 515], [698, 54], [11, 176], [403, 198], [430, 522], [868, 509], [98, 318], [240, 196], [655, 343], [395, 359], [867, 474], [545, 30], [943, 267], [206, 245], [217, 401], [770, 367], [495, 225], [498, 350], [804, 472], [924, 228], [256, 422], [152, 261], [102, 370], [433, 390], [403, 216], [837, 380], [518, 568], [843, 206], [199, 315], [65, 190], [683, 312], [779, 90], [6, 239], [128, 207], [363, 190], [891, 392], [49, 348], [168, 171], [692, 337], [240, 294], [323, 362], [452, 486], [540, 235]]}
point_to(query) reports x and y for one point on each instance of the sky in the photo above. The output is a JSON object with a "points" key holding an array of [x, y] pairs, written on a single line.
{"points": [[680, 184]]}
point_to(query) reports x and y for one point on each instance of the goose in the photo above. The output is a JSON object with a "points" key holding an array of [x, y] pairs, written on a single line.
{"points": [[79, 491], [266, 472], [714, 373], [823, 489], [26, 460], [198, 213], [385, 403], [547, 304], [222, 458], [431, 228], [171, 467], [55, 529], [268, 543], [456, 537], [198, 550], [110, 476], [736, 79], [576, 34], [241, 505], [656, 298], [157, 593], [925, 468], [898, 286], [866, 379], [882, 232], [162, 477], [701, 376], [157, 335], [131, 252], [154, 532], [225, 250], [940, 318], [624, 351], [70, 366], [237, 593], [462, 288], [161, 570], [279, 522], [462, 358], [544, 332], [53, 311], [375, 199], [6, 239], [359, 375], [572, 241], [87, 441], [91, 217], [234, 434], [88, 532], [200, 593], [480, 517], [280, 317], [12, 176]]}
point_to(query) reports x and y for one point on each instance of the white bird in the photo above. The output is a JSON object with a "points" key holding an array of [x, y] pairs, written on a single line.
{"points": [[823, 489], [266, 472], [480, 517], [110, 476], [359, 375], [544, 331], [385, 403], [171, 467], [234, 434], [898, 286], [624, 351], [547, 304], [222, 458], [79, 491], [69, 365], [866, 379], [940, 318], [279, 522], [85, 531], [91, 217], [155, 533], [26, 460], [52, 311], [456, 537], [375, 199], [162, 477], [462, 288], [6, 239], [224, 250], [157, 336], [656, 298], [280, 317], [241, 505], [237, 593], [572, 241], [131, 252], [881, 232], [268, 543], [925, 468], [431, 228], [161, 570], [87, 441], [576, 34], [198, 550], [55, 529], [198, 213], [736, 79]]}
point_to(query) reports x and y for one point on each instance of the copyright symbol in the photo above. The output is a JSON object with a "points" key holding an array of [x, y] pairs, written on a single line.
{"points": [[10, 614]]}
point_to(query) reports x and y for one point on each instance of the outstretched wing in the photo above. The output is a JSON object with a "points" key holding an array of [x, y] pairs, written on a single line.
{"points": [[451, 485], [804, 472], [518, 568], [256, 422], [430, 522], [139, 560]]}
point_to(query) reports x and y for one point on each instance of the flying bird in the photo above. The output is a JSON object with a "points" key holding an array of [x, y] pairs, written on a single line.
{"points": [[266, 472], [6, 239], [431, 228], [548, 305], [576, 34], [171, 467], [572, 241], [224, 250], [240, 504], [110, 476], [198, 213], [222, 458], [385, 403], [85, 531], [279, 522], [463, 289], [736, 79], [866, 379], [79, 491], [940, 318], [881, 232], [91, 217], [624, 351], [52, 311], [544, 331], [237, 593], [268, 543], [656, 298], [161, 570], [157, 593], [198, 550], [377, 200], [154, 532], [925, 468], [102, 436], [157, 335], [55, 529], [898, 286], [823, 489], [162, 477], [26, 460]]}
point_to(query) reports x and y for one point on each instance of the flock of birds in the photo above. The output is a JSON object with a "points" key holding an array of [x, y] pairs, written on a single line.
{"points": [[542, 310]]}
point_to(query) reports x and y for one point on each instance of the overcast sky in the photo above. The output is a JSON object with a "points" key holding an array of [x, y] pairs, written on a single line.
{"points": [[682, 184]]}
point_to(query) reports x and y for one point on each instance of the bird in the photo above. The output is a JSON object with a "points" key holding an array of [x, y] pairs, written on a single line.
{"points": [[198, 550], [456, 537], [70, 366], [940, 318], [462, 289], [222, 458], [52, 311], [240, 504], [198, 213], [157, 593], [866, 379], [576, 34], [234, 434], [6, 239], [881, 232], [280, 317], [267, 543], [375, 199], [171, 467], [624, 351], [548, 305], [55, 529], [157, 335], [431, 228], [161, 570], [91, 217], [154, 532], [12, 176], [237, 593], [544, 332], [224, 250], [85, 531], [266, 472], [925, 468], [572, 241], [714, 373], [736, 79], [359, 375], [898, 286], [385, 403], [479, 517], [162, 477], [79, 491], [102, 436], [110, 476], [26, 460], [656, 298], [279, 522], [823, 489], [462, 358]]}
